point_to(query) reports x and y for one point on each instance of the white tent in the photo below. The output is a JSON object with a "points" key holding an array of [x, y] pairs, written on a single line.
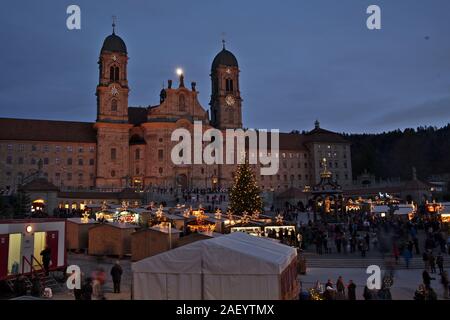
{"points": [[235, 266]]}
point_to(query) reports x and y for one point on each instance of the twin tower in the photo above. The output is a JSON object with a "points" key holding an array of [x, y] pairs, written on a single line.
{"points": [[112, 90]]}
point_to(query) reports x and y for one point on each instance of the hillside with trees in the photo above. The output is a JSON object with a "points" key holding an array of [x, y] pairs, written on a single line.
{"points": [[393, 154]]}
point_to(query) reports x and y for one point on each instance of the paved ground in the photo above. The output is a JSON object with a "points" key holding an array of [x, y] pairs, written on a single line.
{"points": [[88, 265], [405, 281]]}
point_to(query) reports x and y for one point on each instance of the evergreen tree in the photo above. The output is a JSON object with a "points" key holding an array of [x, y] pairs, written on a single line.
{"points": [[22, 203], [245, 195]]}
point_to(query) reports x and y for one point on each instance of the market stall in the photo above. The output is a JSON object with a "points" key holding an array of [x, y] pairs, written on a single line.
{"points": [[77, 233], [208, 270], [149, 242], [111, 239]]}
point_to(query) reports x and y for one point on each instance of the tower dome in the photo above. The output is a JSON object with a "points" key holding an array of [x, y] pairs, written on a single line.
{"points": [[224, 58], [114, 43]]}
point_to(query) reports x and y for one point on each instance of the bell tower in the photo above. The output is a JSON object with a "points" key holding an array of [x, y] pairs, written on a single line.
{"points": [[112, 90], [113, 129], [226, 102]]}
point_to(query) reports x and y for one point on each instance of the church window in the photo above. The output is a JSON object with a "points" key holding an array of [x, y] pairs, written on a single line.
{"points": [[181, 103], [230, 115], [160, 154], [138, 154], [113, 153], [228, 85], [114, 74], [114, 105], [117, 77]]}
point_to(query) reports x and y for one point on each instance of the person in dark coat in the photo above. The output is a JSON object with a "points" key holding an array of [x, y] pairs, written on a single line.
{"points": [[36, 288], [351, 290], [116, 274], [86, 290], [20, 288], [432, 260], [46, 257], [440, 263], [426, 279], [367, 294]]}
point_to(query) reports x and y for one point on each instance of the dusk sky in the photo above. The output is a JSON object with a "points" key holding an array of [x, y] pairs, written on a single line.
{"points": [[299, 60]]}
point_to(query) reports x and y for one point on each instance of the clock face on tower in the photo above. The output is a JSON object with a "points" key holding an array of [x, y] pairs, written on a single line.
{"points": [[229, 100]]}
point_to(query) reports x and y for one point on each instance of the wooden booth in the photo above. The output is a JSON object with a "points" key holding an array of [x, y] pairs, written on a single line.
{"points": [[77, 235], [149, 242], [111, 239]]}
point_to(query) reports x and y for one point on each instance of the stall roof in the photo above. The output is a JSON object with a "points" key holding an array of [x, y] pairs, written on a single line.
{"points": [[404, 209], [80, 221], [235, 253], [164, 230], [381, 208], [118, 225]]}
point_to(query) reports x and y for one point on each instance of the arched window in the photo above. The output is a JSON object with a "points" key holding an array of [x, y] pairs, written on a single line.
{"points": [[114, 105], [229, 85], [182, 103], [113, 173], [230, 115], [111, 74], [114, 73], [117, 77], [138, 154]]}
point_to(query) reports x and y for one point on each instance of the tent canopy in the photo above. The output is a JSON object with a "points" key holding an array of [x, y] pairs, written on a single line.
{"points": [[236, 253], [236, 266]]}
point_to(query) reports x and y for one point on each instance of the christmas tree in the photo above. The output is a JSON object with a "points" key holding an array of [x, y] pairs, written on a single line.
{"points": [[245, 193]]}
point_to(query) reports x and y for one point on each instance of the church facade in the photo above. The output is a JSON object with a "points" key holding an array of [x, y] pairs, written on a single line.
{"points": [[131, 147]]}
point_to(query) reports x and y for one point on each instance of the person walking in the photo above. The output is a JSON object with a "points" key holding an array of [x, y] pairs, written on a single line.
{"points": [[367, 294], [445, 283], [116, 274], [426, 260], [432, 260], [427, 279], [46, 257], [407, 255], [351, 290], [340, 287], [440, 262]]}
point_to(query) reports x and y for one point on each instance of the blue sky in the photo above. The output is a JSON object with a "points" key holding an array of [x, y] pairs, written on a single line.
{"points": [[300, 60]]}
